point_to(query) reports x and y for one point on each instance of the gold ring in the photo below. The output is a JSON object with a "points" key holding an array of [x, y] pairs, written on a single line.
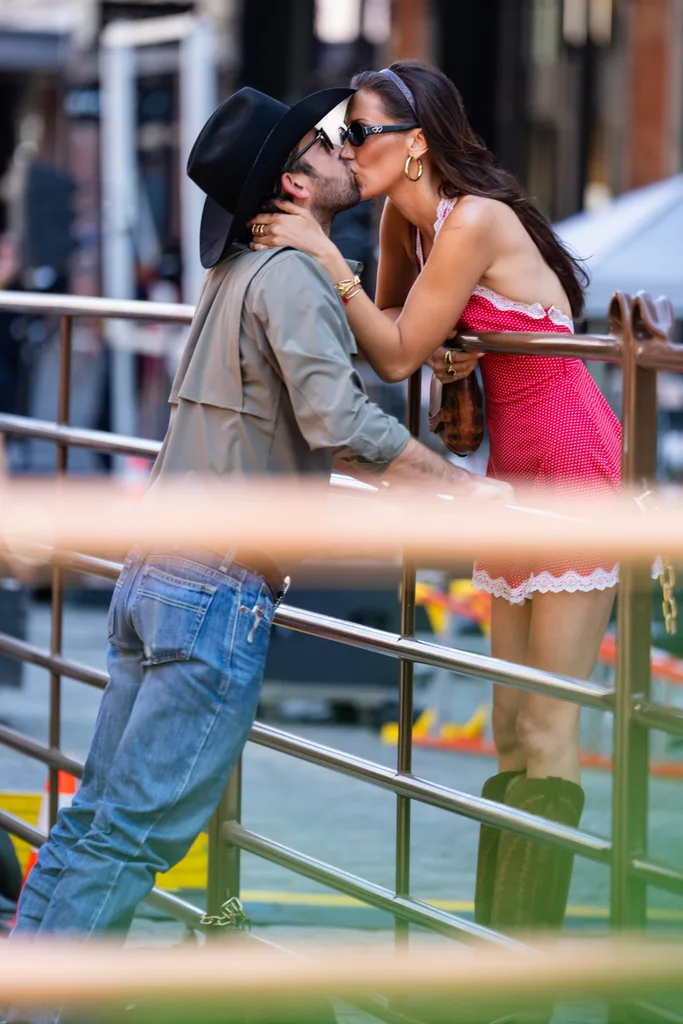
{"points": [[258, 229], [450, 369]]}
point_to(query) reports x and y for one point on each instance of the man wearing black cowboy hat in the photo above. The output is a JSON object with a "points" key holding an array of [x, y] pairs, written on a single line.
{"points": [[265, 385]]}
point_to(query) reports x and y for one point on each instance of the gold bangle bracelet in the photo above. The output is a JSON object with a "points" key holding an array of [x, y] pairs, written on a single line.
{"points": [[350, 294], [344, 287]]}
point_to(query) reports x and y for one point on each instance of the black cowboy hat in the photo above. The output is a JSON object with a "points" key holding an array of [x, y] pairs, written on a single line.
{"points": [[238, 154]]}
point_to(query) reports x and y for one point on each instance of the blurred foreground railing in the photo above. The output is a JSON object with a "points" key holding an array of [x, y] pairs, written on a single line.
{"points": [[640, 342], [224, 981]]}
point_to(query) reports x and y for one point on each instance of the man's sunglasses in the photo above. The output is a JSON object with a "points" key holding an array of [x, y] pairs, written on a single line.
{"points": [[356, 133], [320, 136]]}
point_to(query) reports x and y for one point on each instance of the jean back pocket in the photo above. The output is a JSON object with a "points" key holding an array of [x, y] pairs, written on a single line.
{"points": [[168, 613]]}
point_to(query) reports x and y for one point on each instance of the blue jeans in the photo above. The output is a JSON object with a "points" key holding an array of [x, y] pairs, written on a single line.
{"points": [[188, 638]]}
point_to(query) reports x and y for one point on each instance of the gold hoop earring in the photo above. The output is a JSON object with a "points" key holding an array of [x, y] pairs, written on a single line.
{"points": [[420, 168]]}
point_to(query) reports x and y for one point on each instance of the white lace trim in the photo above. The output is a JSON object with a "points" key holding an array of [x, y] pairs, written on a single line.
{"points": [[418, 250], [545, 583], [533, 309]]}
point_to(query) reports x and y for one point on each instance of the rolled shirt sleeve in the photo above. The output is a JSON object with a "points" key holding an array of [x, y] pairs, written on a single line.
{"points": [[304, 323]]}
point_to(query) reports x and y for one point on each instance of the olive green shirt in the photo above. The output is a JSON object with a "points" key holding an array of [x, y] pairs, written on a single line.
{"points": [[266, 382]]}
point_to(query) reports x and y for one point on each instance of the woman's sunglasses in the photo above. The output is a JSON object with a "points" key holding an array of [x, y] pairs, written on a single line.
{"points": [[356, 133]]}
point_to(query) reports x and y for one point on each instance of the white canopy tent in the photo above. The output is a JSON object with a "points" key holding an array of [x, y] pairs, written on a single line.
{"points": [[633, 243]]}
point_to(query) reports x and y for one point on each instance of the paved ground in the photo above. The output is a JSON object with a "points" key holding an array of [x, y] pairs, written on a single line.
{"points": [[323, 814]]}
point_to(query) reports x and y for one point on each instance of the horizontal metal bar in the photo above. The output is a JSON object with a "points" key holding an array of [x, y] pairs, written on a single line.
{"points": [[411, 786], [413, 911], [88, 564], [24, 651], [47, 755], [21, 829], [604, 348], [79, 437], [654, 715], [121, 444], [656, 354], [658, 875], [181, 910], [588, 694], [110, 309]]}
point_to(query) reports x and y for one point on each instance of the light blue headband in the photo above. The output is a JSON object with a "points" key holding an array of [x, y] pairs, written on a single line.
{"points": [[402, 86]]}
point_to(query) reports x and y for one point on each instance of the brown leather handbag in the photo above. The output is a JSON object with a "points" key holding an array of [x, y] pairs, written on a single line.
{"points": [[456, 411]]}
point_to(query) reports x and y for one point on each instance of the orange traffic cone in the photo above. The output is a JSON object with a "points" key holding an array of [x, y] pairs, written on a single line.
{"points": [[67, 786]]}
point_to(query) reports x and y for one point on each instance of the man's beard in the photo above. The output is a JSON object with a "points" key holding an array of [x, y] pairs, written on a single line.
{"points": [[334, 195]]}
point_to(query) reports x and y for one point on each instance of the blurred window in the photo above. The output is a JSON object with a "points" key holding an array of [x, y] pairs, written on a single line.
{"points": [[377, 21], [337, 21]]}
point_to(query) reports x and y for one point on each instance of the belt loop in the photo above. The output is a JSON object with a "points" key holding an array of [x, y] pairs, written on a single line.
{"points": [[228, 559]]}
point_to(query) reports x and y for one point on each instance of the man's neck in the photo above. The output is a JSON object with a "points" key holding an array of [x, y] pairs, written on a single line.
{"points": [[323, 217]]}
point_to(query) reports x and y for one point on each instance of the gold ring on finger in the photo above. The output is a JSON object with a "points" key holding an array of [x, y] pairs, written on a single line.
{"points": [[258, 229], [450, 369]]}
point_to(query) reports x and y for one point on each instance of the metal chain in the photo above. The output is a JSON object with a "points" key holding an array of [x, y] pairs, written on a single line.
{"points": [[667, 579], [232, 915]]}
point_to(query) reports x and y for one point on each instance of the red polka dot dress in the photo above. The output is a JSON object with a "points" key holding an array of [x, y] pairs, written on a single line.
{"points": [[548, 425]]}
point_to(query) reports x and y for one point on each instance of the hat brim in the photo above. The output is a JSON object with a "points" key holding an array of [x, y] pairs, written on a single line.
{"points": [[219, 228]]}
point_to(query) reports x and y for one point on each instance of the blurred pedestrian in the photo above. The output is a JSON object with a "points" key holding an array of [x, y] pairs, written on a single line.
{"points": [[462, 244], [266, 385]]}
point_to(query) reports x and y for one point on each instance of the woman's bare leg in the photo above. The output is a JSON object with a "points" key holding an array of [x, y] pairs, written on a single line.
{"points": [[510, 626], [565, 634]]}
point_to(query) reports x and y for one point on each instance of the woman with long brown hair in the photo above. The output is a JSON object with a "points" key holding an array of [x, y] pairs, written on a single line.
{"points": [[462, 245]]}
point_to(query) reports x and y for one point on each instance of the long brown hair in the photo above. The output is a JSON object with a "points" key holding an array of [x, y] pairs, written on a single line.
{"points": [[466, 164]]}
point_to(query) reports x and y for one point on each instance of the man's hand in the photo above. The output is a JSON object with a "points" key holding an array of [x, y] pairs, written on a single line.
{"points": [[463, 363]]}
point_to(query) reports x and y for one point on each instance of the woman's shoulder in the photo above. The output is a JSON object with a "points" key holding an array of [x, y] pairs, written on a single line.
{"points": [[477, 212]]}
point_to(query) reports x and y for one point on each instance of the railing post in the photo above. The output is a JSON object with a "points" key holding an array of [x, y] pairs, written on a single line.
{"points": [[628, 907], [57, 609], [405, 687], [223, 869]]}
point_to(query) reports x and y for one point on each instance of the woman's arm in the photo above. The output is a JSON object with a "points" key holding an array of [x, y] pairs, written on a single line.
{"points": [[396, 274], [462, 253]]}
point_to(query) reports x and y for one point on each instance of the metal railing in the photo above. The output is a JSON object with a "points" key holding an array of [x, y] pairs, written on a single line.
{"points": [[640, 342]]}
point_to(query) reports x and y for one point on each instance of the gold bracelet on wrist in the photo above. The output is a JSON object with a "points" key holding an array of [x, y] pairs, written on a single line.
{"points": [[344, 287], [350, 294]]}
